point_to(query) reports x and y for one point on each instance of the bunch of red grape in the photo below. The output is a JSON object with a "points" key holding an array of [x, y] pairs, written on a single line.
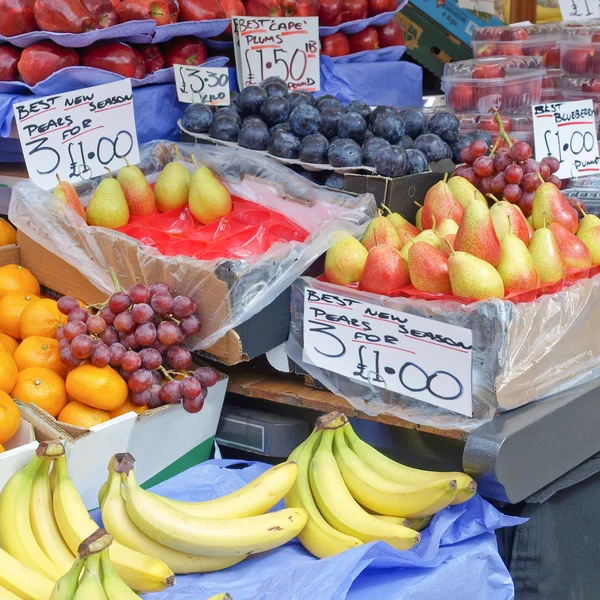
{"points": [[508, 173], [140, 334]]}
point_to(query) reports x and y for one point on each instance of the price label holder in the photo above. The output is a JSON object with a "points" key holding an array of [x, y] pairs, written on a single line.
{"points": [[414, 356], [277, 47], [567, 131], [579, 10], [202, 85], [78, 134]]}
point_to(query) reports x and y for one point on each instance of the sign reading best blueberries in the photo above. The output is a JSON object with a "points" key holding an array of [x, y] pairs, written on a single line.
{"points": [[287, 48], [413, 356], [77, 135]]}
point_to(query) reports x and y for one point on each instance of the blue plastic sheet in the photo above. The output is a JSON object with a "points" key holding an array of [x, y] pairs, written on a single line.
{"points": [[391, 54], [457, 557], [201, 29], [360, 24]]}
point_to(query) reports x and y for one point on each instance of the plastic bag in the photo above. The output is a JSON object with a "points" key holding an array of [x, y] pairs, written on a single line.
{"points": [[521, 352], [228, 292]]}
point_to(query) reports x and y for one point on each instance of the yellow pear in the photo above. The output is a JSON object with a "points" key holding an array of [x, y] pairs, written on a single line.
{"points": [[172, 188], [345, 261], [472, 277], [108, 206], [209, 198]]}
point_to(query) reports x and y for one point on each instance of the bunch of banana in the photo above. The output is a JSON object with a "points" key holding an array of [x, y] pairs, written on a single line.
{"points": [[198, 537], [42, 523], [353, 494], [100, 580]]}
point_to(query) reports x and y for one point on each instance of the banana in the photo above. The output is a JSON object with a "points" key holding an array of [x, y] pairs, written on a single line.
{"points": [[224, 596], [43, 523], [16, 535], [114, 587], [318, 537], [342, 511], [207, 537], [388, 497], [141, 572], [117, 522], [6, 595], [90, 587], [420, 523], [26, 583], [255, 498], [394, 471], [67, 585]]}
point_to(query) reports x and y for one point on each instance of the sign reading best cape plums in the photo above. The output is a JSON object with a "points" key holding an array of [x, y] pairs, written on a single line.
{"points": [[413, 356], [77, 135]]}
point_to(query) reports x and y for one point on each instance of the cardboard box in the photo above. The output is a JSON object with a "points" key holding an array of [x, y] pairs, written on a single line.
{"points": [[18, 451]]}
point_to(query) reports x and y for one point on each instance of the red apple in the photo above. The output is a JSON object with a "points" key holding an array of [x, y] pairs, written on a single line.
{"points": [[367, 39], [65, 16], [103, 11], [353, 10], [232, 8], [335, 45], [390, 34], [330, 14], [9, 58], [264, 8], [173, 10], [200, 10], [186, 50], [40, 60], [116, 57], [513, 34], [461, 97], [578, 61], [16, 17], [376, 7], [511, 50], [552, 58], [488, 71], [153, 58], [141, 10], [301, 8]]}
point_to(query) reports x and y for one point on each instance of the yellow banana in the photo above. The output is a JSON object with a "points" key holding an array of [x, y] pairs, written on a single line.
{"points": [[26, 583], [420, 523], [318, 537], [117, 522], [16, 535], [342, 511], [389, 497], [255, 498], [224, 596], [6, 595], [207, 537], [114, 587], [66, 586], [141, 572], [90, 587], [43, 523], [394, 471]]}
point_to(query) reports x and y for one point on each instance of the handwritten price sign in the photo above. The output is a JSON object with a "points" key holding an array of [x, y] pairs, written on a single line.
{"points": [[414, 356], [579, 10], [567, 131], [202, 85], [287, 48], [77, 134]]}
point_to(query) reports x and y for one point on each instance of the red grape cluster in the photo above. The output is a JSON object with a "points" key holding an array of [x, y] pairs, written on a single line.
{"points": [[140, 334], [507, 172]]}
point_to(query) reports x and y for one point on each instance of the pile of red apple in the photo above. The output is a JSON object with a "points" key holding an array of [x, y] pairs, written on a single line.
{"points": [[370, 38], [37, 62]]}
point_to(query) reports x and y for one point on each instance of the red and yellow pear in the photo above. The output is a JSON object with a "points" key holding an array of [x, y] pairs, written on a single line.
{"points": [[574, 251], [380, 231], [507, 216], [440, 204], [345, 261], [550, 206], [66, 193], [589, 234], [404, 228], [516, 266], [472, 277], [428, 269], [385, 270], [547, 257]]}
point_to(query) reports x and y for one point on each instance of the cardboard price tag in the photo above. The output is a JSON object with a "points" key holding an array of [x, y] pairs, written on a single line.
{"points": [[202, 85], [567, 131], [414, 356], [78, 134], [579, 10], [286, 47]]}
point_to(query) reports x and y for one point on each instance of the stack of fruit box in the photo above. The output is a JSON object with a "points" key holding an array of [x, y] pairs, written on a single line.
{"points": [[170, 439]]}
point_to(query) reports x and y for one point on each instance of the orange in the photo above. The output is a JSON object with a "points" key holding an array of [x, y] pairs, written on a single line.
{"points": [[11, 309], [128, 406], [10, 417], [8, 234], [98, 387], [8, 372], [9, 343], [41, 317], [37, 351], [41, 387], [15, 278], [82, 415]]}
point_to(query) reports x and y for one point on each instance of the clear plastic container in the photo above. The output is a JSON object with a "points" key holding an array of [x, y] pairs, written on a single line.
{"points": [[507, 84], [530, 40], [580, 50], [583, 88], [518, 128]]}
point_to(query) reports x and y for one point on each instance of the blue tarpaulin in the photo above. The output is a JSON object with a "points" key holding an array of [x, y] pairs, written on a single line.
{"points": [[457, 557]]}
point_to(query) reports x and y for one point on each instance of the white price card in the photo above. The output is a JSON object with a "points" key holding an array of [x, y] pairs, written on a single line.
{"points": [[202, 85], [579, 10], [483, 6], [287, 48], [567, 131], [414, 356], [78, 134]]}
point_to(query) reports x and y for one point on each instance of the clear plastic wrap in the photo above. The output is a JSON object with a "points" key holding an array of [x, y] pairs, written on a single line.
{"points": [[228, 292], [521, 352]]}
